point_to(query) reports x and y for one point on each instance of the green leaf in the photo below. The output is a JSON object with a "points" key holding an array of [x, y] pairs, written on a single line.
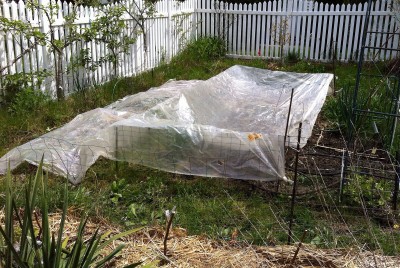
{"points": [[62, 244], [109, 256], [118, 236]]}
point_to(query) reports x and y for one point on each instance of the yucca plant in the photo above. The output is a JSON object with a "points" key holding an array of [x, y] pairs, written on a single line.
{"points": [[24, 245]]}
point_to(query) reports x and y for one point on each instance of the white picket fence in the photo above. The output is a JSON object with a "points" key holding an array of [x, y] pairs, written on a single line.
{"points": [[264, 30], [167, 31], [307, 28]]}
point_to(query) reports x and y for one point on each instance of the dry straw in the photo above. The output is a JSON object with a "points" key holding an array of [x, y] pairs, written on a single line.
{"points": [[200, 251]]}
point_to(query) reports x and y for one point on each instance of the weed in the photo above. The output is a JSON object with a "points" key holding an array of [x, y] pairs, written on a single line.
{"points": [[204, 48], [292, 57], [27, 101]]}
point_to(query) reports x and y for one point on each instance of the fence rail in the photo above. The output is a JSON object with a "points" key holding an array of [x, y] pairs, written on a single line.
{"points": [[271, 29]]}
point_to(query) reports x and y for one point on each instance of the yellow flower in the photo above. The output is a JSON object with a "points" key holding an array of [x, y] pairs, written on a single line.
{"points": [[251, 137], [396, 226], [254, 136]]}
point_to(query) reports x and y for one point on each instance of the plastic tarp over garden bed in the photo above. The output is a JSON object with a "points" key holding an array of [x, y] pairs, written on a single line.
{"points": [[231, 125]]}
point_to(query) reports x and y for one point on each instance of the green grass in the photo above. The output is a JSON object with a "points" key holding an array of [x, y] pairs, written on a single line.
{"points": [[205, 206]]}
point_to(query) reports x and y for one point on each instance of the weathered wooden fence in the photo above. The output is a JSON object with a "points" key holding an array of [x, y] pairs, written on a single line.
{"points": [[309, 29]]}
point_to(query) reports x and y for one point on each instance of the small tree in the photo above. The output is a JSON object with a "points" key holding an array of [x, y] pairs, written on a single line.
{"points": [[109, 28]]}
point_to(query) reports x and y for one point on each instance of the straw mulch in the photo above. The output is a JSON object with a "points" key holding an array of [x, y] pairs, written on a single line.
{"points": [[200, 251]]}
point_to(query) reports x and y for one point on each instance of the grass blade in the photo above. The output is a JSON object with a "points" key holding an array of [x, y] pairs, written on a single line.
{"points": [[90, 249], [60, 244], [46, 239], [11, 249], [9, 220], [109, 256], [118, 236]]}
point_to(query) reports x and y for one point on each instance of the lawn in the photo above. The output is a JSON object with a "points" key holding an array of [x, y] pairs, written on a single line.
{"points": [[129, 195]]}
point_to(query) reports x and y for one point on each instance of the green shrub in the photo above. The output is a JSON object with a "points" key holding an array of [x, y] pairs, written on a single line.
{"points": [[204, 48], [27, 101], [369, 192], [292, 57], [12, 84]]}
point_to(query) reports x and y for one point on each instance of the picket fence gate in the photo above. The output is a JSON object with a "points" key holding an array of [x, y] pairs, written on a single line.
{"points": [[304, 28]]}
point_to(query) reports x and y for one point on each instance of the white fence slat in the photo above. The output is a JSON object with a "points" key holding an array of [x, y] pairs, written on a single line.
{"points": [[269, 33], [323, 36], [313, 34], [396, 41], [335, 46], [357, 31], [281, 23], [248, 31], [257, 50], [9, 41], [208, 18], [382, 24], [340, 33], [17, 38], [253, 50], [203, 18], [235, 22], [239, 31], [24, 41], [293, 23], [350, 48], [373, 28], [303, 31], [212, 19], [230, 31], [317, 55], [32, 17], [274, 31], [299, 22], [345, 45], [308, 32], [328, 38], [3, 54], [263, 41], [244, 31], [360, 45], [384, 54]]}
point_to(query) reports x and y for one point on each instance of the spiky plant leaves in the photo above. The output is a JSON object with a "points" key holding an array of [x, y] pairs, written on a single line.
{"points": [[61, 245], [46, 249]]}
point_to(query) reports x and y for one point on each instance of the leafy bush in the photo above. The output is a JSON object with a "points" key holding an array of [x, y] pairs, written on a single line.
{"points": [[205, 48], [292, 57], [27, 101], [368, 191], [13, 84], [24, 242]]}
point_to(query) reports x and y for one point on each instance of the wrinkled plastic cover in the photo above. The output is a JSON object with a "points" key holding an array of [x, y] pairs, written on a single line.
{"points": [[231, 125]]}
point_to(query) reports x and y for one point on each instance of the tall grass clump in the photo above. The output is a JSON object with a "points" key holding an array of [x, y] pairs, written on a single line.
{"points": [[204, 48]]}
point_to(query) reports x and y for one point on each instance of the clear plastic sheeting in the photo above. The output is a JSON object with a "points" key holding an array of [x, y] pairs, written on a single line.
{"points": [[231, 125]]}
